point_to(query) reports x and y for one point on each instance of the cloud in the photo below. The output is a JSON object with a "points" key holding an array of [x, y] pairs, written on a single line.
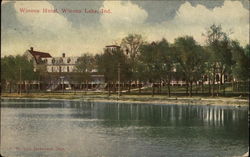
{"points": [[124, 15], [55, 34], [126, 18], [53, 22], [189, 20], [193, 20]]}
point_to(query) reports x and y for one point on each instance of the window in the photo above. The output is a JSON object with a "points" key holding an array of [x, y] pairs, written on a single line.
{"points": [[67, 69], [52, 69], [69, 60], [53, 61], [217, 78], [61, 60], [225, 78], [205, 78]]}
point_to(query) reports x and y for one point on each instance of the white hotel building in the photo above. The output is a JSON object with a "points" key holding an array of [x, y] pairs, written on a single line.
{"points": [[52, 64], [61, 64]]}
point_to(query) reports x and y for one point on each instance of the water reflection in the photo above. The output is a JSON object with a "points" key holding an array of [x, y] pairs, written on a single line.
{"points": [[122, 129], [140, 113]]}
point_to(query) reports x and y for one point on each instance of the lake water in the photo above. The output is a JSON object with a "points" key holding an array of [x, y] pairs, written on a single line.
{"points": [[59, 128]]}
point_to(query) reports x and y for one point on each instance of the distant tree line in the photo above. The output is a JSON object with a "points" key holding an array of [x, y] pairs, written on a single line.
{"points": [[158, 63], [16, 69]]}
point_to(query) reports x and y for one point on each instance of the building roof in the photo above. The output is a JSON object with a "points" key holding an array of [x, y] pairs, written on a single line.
{"points": [[39, 54], [113, 46]]}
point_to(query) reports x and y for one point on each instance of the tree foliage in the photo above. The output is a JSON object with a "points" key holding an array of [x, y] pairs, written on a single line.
{"points": [[191, 58]]}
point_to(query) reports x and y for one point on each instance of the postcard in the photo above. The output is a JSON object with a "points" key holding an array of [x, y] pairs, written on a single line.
{"points": [[124, 78]]}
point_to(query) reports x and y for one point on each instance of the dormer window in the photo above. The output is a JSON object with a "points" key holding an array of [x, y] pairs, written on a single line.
{"points": [[53, 60], [61, 60], [69, 60]]}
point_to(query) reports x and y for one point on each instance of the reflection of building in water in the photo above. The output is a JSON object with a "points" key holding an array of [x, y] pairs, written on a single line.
{"points": [[162, 115], [180, 113]]}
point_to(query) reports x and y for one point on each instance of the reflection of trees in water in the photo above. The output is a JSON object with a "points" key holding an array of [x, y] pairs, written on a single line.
{"points": [[119, 114], [160, 115]]}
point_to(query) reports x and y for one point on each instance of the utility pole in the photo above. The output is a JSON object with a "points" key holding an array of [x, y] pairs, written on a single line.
{"points": [[119, 79], [20, 80], [63, 84]]}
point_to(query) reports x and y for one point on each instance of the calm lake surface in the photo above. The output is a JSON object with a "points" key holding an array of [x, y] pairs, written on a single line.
{"points": [[59, 128]]}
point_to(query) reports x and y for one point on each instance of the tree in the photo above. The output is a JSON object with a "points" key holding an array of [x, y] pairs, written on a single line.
{"points": [[108, 64], [131, 45], [17, 69], [191, 58], [8, 72], [27, 70], [220, 54], [84, 66], [241, 56], [156, 57]]}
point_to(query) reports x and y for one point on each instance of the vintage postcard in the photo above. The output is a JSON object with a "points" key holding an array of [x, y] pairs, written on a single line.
{"points": [[132, 78]]}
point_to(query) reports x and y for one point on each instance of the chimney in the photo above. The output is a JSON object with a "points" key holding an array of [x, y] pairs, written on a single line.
{"points": [[31, 48], [63, 55]]}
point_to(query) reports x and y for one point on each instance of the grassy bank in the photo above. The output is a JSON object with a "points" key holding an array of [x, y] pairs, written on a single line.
{"points": [[158, 99]]}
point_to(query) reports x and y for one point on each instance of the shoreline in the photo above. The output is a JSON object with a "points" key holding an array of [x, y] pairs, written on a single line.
{"points": [[143, 99]]}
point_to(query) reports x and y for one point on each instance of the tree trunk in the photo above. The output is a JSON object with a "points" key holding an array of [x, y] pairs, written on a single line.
{"points": [[129, 86], [224, 89], [222, 85], [86, 87], [160, 87], [140, 87], [119, 88], [196, 86], [232, 84], [75, 88], [213, 84], [202, 87], [20, 88], [39, 86], [114, 87], [28, 87], [10, 87], [190, 91], [209, 85], [168, 88], [153, 89], [108, 88], [25, 86], [122, 87], [237, 86], [218, 86], [187, 86]]}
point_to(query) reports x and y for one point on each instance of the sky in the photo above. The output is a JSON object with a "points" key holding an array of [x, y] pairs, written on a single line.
{"points": [[76, 33]]}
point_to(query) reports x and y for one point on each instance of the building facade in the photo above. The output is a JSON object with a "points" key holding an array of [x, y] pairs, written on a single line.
{"points": [[39, 58], [61, 64]]}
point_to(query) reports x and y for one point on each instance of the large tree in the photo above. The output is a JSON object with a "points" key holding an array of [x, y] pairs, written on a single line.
{"points": [[109, 63], [16, 69], [84, 66], [131, 46], [219, 46], [191, 58], [158, 62], [241, 56]]}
